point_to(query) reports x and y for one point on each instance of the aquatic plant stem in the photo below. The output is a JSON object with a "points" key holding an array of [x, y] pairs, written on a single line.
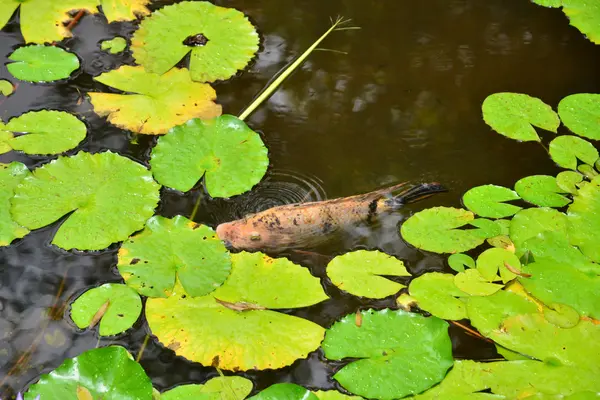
{"points": [[75, 19], [139, 356], [470, 331]]}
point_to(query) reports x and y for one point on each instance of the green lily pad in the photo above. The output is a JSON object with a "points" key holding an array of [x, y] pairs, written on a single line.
{"points": [[435, 230], [361, 273], [487, 201], [285, 391], [561, 315], [221, 40], [219, 388], [114, 46], [170, 249], [153, 103], [334, 395], [110, 197], [231, 156], [45, 132], [588, 171], [567, 181], [121, 307], [548, 3], [10, 176], [580, 113], [236, 329], [124, 10], [472, 282], [458, 262], [542, 191], [554, 282], [437, 294], [6, 88], [585, 16], [42, 21], [504, 225], [400, 353], [502, 242], [492, 261], [37, 63], [533, 221], [566, 150], [100, 372], [514, 115], [584, 220]]}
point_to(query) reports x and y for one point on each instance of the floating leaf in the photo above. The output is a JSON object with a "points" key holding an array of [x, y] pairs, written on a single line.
{"points": [[287, 391], [502, 242], [45, 132], [6, 88], [434, 230], [115, 45], [10, 176], [37, 63], [548, 3], [513, 114], [124, 10], [492, 261], [221, 388], [504, 225], [100, 372], [487, 201], [561, 315], [566, 150], [472, 282], [533, 221], [567, 181], [585, 16], [437, 294], [334, 395], [174, 248], [584, 220], [232, 323], [361, 273], [124, 308], [110, 197], [153, 103], [580, 113], [231, 156], [221, 40], [458, 262], [541, 190], [42, 20]]}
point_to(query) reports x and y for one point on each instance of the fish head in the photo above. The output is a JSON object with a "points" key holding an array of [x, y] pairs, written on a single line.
{"points": [[242, 235]]}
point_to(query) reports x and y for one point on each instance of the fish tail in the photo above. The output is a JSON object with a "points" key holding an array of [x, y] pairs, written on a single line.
{"points": [[415, 193]]}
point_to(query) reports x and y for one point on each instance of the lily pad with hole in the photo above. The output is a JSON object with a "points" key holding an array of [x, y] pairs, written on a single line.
{"points": [[37, 63], [585, 16], [568, 181], [10, 176], [100, 373], [541, 190], [488, 201], [235, 325], [119, 305], [584, 220], [221, 40], [114, 46], [6, 88], [153, 103], [400, 353], [287, 391], [533, 221], [219, 388], [566, 150], [458, 262], [43, 132], [492, 261], [437, 294], [580, 113], [515, 115], [230, 156], [124, 10], [473, 283], [106, 197], [362, 273], [435, 230], [170, 249]]}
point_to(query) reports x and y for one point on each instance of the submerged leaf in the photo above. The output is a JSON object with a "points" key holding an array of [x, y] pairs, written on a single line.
{"points": [[580, 113], [400, 353], [219, 388], [124, 308], [487, 201], [6, 88], [287, 391], [566, 150], [37, 63], [221, 40], [585, 16], [115, 45], [231, 156], [10, 176], [124, 10], [362, 272], [542, 191], [153, 103], [107, 197], [584, 220], [437, 294], [513, 114], [533, 221]]}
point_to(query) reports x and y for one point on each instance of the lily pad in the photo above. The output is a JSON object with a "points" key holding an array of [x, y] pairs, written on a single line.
{"points": [[585, 16], [492, 261], [580, 113], [502, 242], [231, 156], [514, 115], [566, 150], [533, 221], [124, 10], [221, 40], [542, 191], [108, 197], [435, 230], [548, 3], [10, 176], [42, 21], [567, 181], [458, 262], [361, 273], [400, 353], [236, 329], [561, 315], [285, 391], [44, 132], [472, 282], [6, 88], [153, 103], [115, 45], [584, 220], [121, 306], [334, 395], [219, 388], [100, 372], [170, 249], [437, 294], [37, 63], [487, 201]]}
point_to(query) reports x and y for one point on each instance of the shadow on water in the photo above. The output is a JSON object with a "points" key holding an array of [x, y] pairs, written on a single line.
{"points": [[403, 104]]}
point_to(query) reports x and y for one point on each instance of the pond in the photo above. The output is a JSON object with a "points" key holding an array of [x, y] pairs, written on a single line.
{"points": [[403, 104]]}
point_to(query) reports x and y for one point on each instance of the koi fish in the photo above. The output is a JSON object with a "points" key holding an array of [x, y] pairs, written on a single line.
{"points": [[307, 224]]}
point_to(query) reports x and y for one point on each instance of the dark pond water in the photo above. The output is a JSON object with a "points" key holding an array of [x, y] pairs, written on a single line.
{"points": [[403, 104]]}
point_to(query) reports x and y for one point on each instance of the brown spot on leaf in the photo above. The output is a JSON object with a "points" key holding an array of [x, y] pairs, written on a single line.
{"points": [[134, 261]]}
